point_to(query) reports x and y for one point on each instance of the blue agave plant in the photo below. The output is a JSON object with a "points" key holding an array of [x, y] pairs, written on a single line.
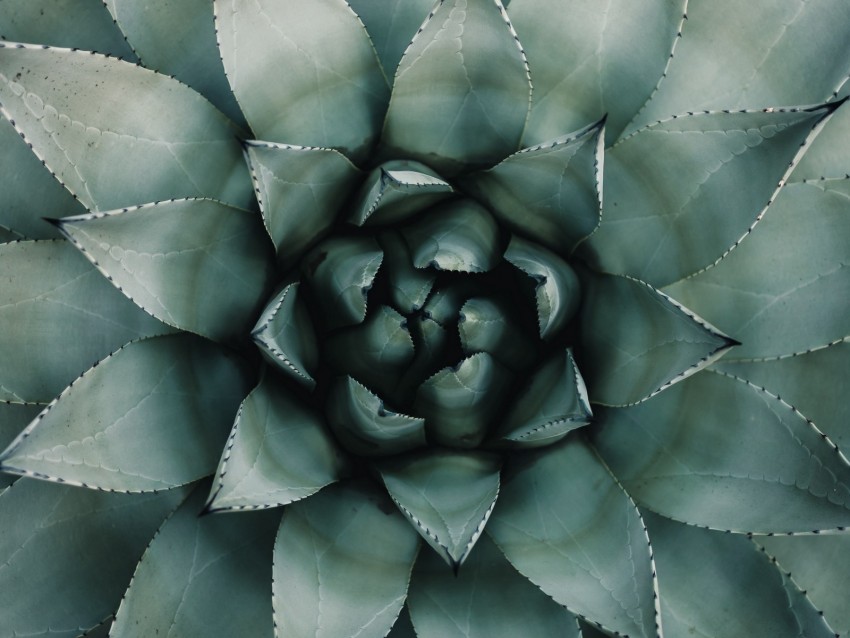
{"points": [[478, 319]]}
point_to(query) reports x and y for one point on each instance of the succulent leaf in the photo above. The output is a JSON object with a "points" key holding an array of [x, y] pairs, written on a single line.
{"points": [[578, 537], [425, 489], [87, 117], [53, 294], [152, 416], [67, 554], [178, 39], [202, 576], [210, 281], [490, 325], [796, 299], [299, 189], [486, 599], [637, 341], [602, 65], [720, 452], [279, 451], [550, 192], [320, 585], [328, 82], [715, 584], [14, 417], [365, 427], [725, 167], [479, 90], [409, 286], [828, 155]]}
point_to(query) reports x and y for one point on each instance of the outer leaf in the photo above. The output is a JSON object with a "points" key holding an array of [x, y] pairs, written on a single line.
{"points": [[818, 564], [680, 194], [55, 293], [459, 236], [14, 417], [391, 25], [286, 335], [478, 94], [300, 190], [601, 64], [714, 584], [788, 291], [202, 576], [367, 428], [637, 341], [566, 524], [447, 495], [85, 24], [279, 451], [67, 553], [719, 452], [196, 264], [486, 599], [310, 59], [752, 62], [27, 189], [550, 192], [342, 562], [152, 416], [177, 37], [89, 118]]}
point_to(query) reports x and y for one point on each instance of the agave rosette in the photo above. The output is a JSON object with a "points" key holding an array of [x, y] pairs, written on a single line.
{"points": [[485, 320]]}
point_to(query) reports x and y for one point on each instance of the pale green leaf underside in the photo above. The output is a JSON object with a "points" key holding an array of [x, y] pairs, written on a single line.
{"points": [[756, 60], [550, 192], [342, 562], [300, 190], [447, 495], [682, 193], [714, 584], [202, 576], [55, 293], [719, 452], [637, 342], [473, 110], [818, 564], [66, 554], [195, 264], [786, 291], [365, 426], [486, 599], [310, 60], [285, 334], [152, 416], [397, 190], [565, 523], [28, 191], [601, 62], [279, 451], [177, 37], [89, 118]]}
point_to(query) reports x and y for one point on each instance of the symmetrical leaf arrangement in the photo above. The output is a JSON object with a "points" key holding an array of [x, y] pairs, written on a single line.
{"points": [[487, 319]]}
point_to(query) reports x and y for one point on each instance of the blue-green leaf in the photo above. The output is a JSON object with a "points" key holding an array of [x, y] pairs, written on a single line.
{"points": [[342, 563], [447, 495], [195, 264], [14, 417], [637, 341], [152, 416], [723, 453], [279, 451], [715, 584], [66, 553], [310, 60], [490, 325], [89, 118], [682, 193], [486, 599], [478, 89], [566, 524], [202, 576], [55, 293], [828, 155], [409, 286]]}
